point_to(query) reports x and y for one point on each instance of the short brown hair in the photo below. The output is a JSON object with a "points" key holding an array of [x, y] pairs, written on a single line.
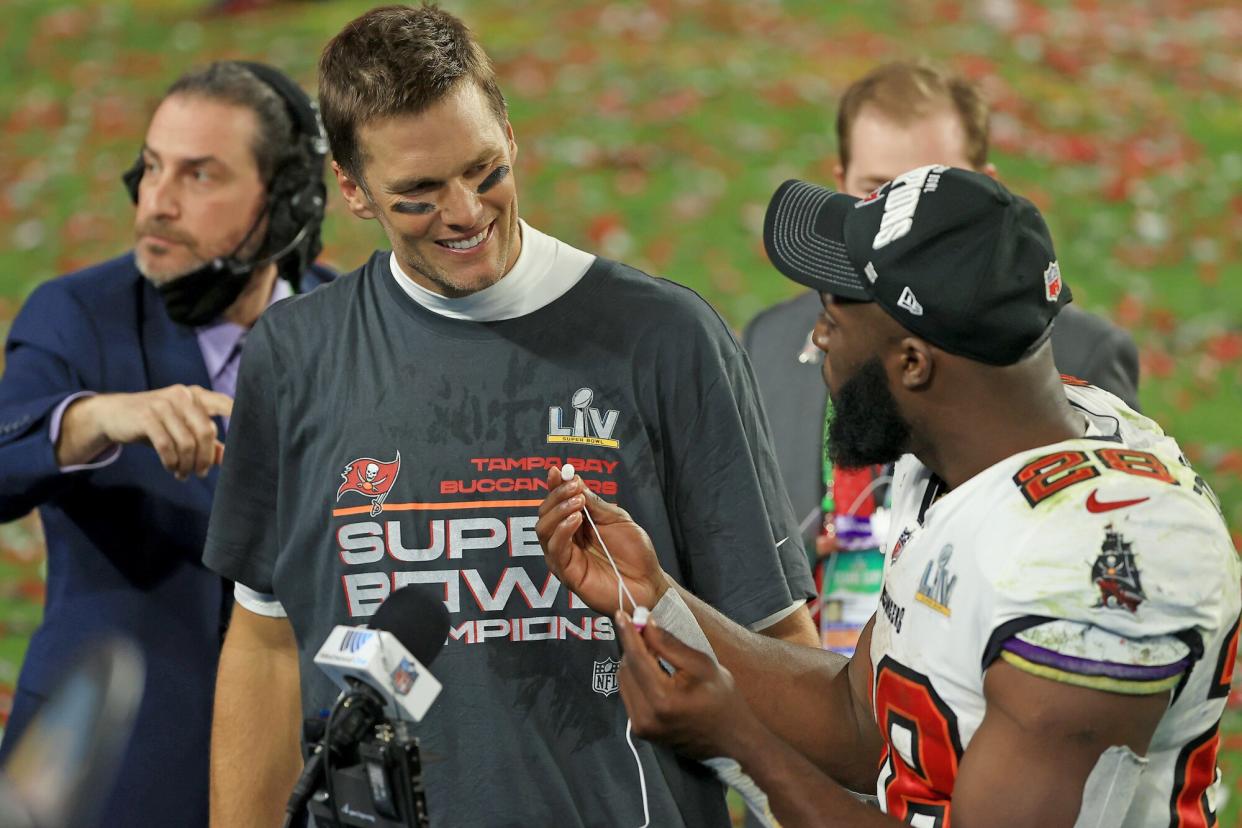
{"points": [[904, 91], [396, 60]]}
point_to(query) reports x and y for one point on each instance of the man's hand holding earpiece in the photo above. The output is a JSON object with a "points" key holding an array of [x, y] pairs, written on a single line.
{"points": [[574, 553], [696, 708]]}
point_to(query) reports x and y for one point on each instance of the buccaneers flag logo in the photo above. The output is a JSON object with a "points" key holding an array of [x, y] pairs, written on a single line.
{"points": [[370, 478]]}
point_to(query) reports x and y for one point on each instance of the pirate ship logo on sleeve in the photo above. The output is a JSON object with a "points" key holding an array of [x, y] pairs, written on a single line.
{"points": [[370, 478], [1116, 574]]}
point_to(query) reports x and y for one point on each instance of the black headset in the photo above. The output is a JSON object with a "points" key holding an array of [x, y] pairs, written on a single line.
{"points": [[296, 194]]}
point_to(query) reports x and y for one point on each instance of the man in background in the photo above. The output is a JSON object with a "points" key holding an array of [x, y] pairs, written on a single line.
{"points": [[115, 397], [897, 117]]}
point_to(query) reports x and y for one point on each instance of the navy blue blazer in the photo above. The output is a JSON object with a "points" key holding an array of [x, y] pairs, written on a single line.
{"points": [[124, 542]]}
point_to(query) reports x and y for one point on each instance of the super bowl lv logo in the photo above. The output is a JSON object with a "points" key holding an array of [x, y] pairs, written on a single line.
{"points": [[370, 478], [589, 425]]}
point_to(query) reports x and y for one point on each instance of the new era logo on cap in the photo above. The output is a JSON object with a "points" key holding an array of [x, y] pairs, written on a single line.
{"points": [[907, 301], [967, 265]]}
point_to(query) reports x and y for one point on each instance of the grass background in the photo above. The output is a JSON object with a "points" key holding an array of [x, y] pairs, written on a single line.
{"points": [[655, 132]]}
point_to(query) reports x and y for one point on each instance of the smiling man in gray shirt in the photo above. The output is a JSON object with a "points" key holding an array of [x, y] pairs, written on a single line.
{"points": [[396, 429]]}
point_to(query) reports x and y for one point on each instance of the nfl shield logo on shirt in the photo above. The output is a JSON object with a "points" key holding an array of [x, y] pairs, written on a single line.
{"points": [[906, 534], [604, 677]]}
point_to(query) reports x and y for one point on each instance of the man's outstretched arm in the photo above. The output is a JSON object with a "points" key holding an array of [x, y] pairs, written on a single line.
{"points": [[833, 727], [256, 726], [1028, 764], [797, 628], [815, 701], [699, 710], [1040, 740]]}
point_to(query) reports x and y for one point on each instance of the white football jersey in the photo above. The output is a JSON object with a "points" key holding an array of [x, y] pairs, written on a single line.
{"points": [[1101, 561]]}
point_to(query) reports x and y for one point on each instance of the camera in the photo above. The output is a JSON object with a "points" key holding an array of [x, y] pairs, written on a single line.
{"points": [[375, 784]]}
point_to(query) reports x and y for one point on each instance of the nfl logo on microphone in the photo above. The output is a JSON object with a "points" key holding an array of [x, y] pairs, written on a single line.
{"points": [[404, 676], [604, 676]]}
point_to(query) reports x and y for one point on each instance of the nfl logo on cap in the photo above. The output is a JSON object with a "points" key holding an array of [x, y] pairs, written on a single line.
{"points": [[1052, 282]]}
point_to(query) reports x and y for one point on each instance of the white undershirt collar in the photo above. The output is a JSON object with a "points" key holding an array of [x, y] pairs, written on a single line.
{"points": [[545, 269]]}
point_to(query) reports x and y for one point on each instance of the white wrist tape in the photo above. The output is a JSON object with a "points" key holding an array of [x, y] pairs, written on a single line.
{"points": [[1110, 788], [674, 616]]}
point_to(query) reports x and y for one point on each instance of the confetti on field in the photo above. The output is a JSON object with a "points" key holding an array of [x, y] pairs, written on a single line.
{"points": [[656, 130]]}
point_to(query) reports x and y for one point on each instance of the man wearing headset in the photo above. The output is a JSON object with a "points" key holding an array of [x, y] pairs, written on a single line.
{"points": [[115, 399]]}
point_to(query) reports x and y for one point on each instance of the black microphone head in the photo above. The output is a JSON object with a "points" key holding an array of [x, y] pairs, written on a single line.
{"points": [[418, 619]]}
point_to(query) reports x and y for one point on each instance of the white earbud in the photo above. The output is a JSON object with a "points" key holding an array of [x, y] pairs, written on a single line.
{"points": [[567, 472], [641, 614]]}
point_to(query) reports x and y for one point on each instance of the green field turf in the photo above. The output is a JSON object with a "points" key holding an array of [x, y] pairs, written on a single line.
{"points": [[655, 132]]}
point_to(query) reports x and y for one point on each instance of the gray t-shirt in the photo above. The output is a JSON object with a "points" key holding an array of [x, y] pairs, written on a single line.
{"points": [[375, 444]]}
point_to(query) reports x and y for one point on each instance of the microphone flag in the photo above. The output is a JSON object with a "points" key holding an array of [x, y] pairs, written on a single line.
{"points": [[376, 658]]}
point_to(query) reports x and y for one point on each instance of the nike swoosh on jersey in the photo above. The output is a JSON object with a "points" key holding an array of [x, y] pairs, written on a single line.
{"points": [[1095, 505]]}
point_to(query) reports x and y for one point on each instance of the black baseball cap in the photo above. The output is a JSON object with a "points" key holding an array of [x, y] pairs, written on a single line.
{"points": [[950, 254]]}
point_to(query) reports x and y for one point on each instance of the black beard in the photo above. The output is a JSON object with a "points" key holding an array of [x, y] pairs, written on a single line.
{"points": [[866, 428]]}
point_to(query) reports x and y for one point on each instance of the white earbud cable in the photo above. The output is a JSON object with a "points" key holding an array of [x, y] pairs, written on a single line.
{"points": [[621, 587], [629, 724]]}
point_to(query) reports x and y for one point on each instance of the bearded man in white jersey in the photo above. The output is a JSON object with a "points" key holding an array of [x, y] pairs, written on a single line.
{"points": [[1057, 629]]}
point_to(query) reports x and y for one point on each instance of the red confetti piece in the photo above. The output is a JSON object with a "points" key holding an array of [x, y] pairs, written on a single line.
{"points": [[1226, 347]]}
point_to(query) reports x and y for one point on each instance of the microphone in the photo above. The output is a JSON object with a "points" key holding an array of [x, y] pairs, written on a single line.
{"points": [[236, 267], [381, 670], [406, 633]]}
